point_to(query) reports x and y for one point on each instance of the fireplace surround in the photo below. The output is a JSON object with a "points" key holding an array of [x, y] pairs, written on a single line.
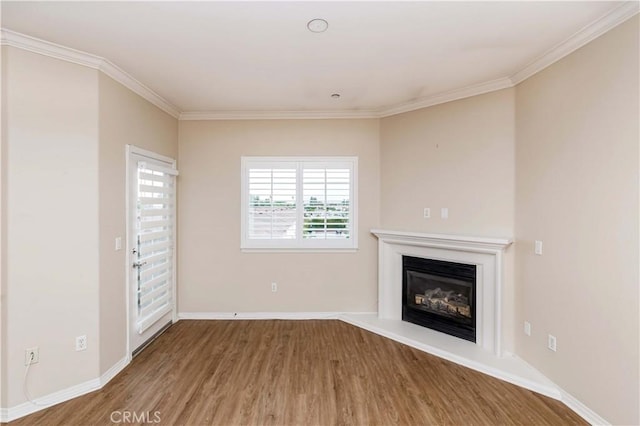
{"points": [[485, 253], [488, 354]]}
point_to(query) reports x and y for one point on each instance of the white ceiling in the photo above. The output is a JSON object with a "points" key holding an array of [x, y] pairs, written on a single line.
{"points": [[259, 56]]}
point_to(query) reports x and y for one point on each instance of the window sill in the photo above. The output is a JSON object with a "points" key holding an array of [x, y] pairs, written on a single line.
{"points": [[298, 250]]}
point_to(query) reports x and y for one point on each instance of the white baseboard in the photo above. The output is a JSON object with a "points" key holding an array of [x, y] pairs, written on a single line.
{"points": [[114, 370], [575, 405], [50, 400], [258, 315], [582, 410], [26, 408]]}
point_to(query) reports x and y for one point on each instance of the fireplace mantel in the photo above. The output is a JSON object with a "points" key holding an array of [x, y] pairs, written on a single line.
{"points": [[485, 253], [463, 242]]}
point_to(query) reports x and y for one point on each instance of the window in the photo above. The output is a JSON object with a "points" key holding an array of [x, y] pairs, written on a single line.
{"points": [[299, 203]]}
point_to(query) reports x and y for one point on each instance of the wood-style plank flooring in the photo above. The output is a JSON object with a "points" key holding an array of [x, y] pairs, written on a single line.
{"points": [[298, 373]]}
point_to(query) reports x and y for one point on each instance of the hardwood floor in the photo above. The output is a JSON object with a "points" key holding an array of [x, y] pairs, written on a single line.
{"points": [[298, 373]]}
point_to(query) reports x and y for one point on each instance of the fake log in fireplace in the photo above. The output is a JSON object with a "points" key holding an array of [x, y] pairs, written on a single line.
{"points": [[440, 295]]}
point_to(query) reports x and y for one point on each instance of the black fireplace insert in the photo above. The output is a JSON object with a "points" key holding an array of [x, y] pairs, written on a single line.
{"points": [[440, 295]]}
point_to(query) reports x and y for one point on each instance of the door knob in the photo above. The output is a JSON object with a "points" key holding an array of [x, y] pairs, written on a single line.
{"points": [[139, 264]]}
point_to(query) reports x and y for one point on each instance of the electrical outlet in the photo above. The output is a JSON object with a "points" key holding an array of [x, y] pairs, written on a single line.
{"points": [[427, 213], [552, 342], [444, 213], [81, 343], [274, 287], [31, 356], [527, 328]]}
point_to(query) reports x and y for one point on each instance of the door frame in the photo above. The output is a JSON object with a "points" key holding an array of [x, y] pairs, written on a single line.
{"points": [[135, 150]]}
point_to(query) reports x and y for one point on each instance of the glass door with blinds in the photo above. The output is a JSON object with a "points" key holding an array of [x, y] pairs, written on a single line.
{"points": [[151, 243]]}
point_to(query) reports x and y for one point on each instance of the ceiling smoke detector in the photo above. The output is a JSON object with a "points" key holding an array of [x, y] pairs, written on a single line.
{"points": [[317, 25]]}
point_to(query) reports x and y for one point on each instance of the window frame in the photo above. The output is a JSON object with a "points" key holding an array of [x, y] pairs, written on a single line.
{"points": [[299, 244]]}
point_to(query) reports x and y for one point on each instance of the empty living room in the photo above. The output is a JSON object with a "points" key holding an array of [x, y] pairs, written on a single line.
{"points": [[315, 213]]}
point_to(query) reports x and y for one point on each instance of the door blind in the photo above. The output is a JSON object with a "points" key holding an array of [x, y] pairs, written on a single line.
{"points": [[155, 236]]}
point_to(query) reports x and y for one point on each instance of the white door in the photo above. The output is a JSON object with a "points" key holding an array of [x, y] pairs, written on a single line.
{"points": [[150, 244]]}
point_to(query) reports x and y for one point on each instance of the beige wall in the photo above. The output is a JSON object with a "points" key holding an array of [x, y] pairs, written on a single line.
{"points": [[577, 191], [52, 221], [214, 275], [65, 129], [458, 155], [3, 224], [124, 118]]}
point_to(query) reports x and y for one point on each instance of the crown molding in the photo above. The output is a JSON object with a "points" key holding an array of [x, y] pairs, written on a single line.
{"points": [[46, 48], [53, 50], [589, 33], [465, 92], [451, 95], [277, 115], [137, 87]]}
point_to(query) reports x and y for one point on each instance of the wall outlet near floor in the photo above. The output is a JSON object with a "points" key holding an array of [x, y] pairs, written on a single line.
{"points": [[552, 342], [81, 343], [427, 213], [31, 356], [527, 328], [274, 287]]}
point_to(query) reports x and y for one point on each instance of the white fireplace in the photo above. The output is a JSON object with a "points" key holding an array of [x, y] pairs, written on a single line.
{"points": [[485, 253], [487, 354]]}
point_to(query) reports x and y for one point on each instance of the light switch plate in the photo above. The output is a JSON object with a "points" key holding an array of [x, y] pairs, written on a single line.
{"points": [[552, 343], [538, 248]]}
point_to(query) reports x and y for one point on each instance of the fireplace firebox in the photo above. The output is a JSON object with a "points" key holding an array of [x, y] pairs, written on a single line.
{"points": [[440, 295]]}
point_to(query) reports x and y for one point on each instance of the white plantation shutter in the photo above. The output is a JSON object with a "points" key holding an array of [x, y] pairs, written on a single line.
{"points": [[299, 203], [272, 203], [155, 231], [326, 193]]}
